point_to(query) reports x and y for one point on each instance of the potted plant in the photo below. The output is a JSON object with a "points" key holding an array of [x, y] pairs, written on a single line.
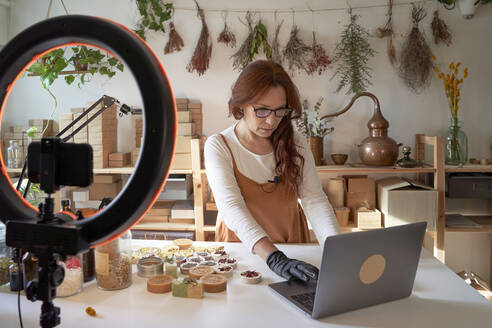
{"points": [[153, 15], [313, 128]]}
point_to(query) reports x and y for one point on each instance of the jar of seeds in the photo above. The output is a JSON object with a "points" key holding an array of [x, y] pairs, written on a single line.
{"points": [[114, 263]]}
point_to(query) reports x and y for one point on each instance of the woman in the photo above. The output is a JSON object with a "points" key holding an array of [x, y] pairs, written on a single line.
{"points": [[259, 168]]}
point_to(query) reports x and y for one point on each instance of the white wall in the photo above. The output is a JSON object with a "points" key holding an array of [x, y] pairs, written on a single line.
{"points": [[4, 24], [407, 113]]}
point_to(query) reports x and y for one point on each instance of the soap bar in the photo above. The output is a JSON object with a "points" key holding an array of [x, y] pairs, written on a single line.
{"points": [[160, 284], [171, 270], [199, 271], [213, 283], [187, 287], [183, 243]]}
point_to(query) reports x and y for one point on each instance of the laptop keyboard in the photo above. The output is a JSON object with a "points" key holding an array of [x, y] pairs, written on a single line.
{"points": [[306, 300]]}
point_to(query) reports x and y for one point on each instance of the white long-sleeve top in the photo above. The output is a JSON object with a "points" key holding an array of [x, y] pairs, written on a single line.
{"points": [[261, 168]]}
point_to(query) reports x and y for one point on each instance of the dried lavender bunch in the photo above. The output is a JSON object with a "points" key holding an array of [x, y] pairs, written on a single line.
{"points": [[416, 57], [440, 30], [227, 37], [276, 53], [351, 55], [319, 61], [296, 52], [241, 56], [201, 56], [175, 42]]}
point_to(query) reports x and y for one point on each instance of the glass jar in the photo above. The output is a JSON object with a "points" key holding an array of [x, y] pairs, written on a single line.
{"points": [[114, 263], [31, 267], [74, 277], [5, 261], [14, 155], [16, 277], [456, 144]]}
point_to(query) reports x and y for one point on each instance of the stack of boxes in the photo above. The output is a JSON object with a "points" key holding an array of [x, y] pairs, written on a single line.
{"points": [[63, 121], [105, 186], [103, 136], [83, 135]]}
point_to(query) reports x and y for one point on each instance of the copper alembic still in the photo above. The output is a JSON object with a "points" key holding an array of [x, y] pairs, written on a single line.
{"points": [[378, 149]]}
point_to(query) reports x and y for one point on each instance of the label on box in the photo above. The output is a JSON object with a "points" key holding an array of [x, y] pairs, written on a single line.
{"points": [[102, 263]]}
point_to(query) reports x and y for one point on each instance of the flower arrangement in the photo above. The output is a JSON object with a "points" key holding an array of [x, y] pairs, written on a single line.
{"points": [[310, 123], [452, 85]]}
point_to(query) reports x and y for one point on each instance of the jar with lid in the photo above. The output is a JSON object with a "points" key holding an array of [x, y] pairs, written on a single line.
{"points": [[30, 265], [114, 263], [74, 277]]}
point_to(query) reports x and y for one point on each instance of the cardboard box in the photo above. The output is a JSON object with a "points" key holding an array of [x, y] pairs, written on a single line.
{"points": [[368, 219], [124, 158], [183, 144], [98, 191], [155, 218], [162, 208], [342, 214], [80, 195], [88, 204], [195, 105], [184, 117], [135, 154], [185, 129], [181, 162], [178, 187], [335, 190], [184, 221], [106, 178], [361, 192], [183, 209], [403, 201]]}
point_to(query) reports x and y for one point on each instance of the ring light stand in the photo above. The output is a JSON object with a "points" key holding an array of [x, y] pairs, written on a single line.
{"points": [[49, 239]]}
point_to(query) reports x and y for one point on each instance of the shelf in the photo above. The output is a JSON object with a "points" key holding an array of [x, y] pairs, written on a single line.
{"points": [[112, 170], [485, 221], [468, 168], [167, 226], [164, 226], [361, 168], [63, 73]]}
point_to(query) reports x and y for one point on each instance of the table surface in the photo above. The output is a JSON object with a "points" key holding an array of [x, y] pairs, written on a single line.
{"points": [[439, 299]]}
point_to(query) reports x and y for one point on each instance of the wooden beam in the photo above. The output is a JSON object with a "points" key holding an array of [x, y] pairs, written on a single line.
{"points": [[419, 153], [439, 185], [198, 190]]}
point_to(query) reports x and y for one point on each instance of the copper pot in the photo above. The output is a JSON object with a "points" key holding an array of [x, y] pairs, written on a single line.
{"points": [[378, 149]]}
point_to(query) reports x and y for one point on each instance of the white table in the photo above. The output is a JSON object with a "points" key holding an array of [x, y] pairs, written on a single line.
{"points": [[439, 299]]}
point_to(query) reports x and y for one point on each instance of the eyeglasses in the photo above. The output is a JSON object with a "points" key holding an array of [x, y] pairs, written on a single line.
{"points": [[265, 112]]}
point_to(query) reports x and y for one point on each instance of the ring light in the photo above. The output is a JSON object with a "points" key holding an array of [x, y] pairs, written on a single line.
{"points": [[152, 169]]}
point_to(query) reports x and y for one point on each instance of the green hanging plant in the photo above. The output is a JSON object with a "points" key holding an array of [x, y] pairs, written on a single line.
{"points": [[153, 15], [257, 38], [352, 54]]}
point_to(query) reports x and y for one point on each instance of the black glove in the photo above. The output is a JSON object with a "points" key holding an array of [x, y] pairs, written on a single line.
{"points": [[288, 268]]}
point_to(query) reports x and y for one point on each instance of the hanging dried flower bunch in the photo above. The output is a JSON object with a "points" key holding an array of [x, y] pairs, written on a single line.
{"points": [[226, 36], [175, 42], [320, 61], [276, 53], [201, 56], [296, 52], [440, 30], [241, 56], [387, 31], [416, 56], [257, 37], [351, 55]]}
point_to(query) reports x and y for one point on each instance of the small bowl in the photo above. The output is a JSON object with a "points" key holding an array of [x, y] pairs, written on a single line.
{"points": [[339, 159]]}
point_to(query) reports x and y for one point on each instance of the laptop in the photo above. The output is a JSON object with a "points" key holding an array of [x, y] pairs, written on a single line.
{"points": [[358, 270]]}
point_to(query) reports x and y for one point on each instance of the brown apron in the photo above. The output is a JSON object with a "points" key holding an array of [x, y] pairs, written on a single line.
{"points": [[274, 206]]}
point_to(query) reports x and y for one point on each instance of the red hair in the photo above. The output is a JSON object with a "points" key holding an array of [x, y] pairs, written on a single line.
{"points": [[252, 83]]}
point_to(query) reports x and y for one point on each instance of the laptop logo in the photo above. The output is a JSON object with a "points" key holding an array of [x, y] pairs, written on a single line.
{"points": [[372, 269]]}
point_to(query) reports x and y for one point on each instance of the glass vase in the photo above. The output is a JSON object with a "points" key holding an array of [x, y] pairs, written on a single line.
{"points": [[456, 144]]}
